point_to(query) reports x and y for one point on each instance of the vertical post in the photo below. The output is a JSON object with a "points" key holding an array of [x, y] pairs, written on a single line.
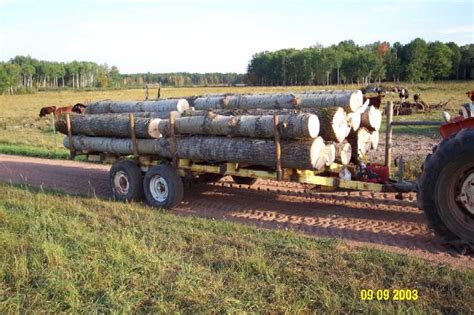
{"points": [[146, 92], [174, 160], [388, 136], [159, 91], [133, 135], [277, 147], [53, 120], [69, 134]]}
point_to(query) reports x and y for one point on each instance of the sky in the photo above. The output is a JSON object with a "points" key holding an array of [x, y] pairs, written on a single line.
{"points": [[215, 36]]}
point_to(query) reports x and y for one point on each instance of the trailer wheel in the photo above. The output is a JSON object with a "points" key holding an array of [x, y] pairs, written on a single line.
{"points": [[446, 188], [163, 187], [244, 180], [126, 181]]}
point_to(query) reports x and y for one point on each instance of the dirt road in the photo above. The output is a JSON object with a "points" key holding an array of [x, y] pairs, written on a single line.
{"points": [[360, 218]]}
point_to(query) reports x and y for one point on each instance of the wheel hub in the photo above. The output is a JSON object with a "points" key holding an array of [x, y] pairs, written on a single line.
{"points": [[159, 188], [121, 183], [466, 196]]}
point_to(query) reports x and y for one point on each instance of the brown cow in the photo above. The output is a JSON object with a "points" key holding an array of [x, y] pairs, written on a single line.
{"points": [[62, 110], [79, 108], [47, 110], [470, 94], [375, 101]]}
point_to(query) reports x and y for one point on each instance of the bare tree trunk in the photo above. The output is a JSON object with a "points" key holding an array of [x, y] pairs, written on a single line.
{"points": [[292, 126], [302, 154], [109, 106]]}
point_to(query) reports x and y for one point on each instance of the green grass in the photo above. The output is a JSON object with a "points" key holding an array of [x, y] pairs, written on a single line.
{"points": [[60, 253], [28, 150]]}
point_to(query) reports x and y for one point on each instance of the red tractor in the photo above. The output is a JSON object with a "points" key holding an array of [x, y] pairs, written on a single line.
{"points": [[446, 186]]}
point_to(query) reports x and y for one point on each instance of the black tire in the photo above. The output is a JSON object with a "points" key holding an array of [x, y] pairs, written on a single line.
{"points": [[163, 187], [244, 180], [439, 186], [126, 181]]}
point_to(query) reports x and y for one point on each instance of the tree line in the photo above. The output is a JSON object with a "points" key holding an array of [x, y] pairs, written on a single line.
{"points": [[24, 74], [348, 63]]}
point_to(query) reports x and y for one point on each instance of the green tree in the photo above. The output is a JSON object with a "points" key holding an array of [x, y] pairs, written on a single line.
{"points": [[439, 60], [455, 60], [416, 57]]}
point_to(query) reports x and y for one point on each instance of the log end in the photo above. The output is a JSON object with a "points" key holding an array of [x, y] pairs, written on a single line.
{"points": [[153, 128], [356, 101], [313, 126], [316, 153], [330, 154], [182, 105], [345, 154], [353, 120]]}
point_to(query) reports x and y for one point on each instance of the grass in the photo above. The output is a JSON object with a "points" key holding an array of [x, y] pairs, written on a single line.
{"points": [[21, 126], [60, 253]]}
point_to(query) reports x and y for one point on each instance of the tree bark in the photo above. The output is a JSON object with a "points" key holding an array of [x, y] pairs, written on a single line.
{"points": [[292, 126], [110, 125], [351, 101], [360, 142], [109, 106], [247, 101], [333, 125], [301, 154], [371, 118]]}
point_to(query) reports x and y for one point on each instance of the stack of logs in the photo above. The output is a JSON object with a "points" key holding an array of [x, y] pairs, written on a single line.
{"points": [[316, 128]]}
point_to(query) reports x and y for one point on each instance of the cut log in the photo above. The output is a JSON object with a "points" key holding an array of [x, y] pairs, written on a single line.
{"points": [[333, 123], [110, 106], [374, 139], [301, 154], [361, 143], [333, 120], [351, 101], [371, 118], [110, 125], [293, 126], [353, 119], [343, 153], [250, 101], [327, 156]]}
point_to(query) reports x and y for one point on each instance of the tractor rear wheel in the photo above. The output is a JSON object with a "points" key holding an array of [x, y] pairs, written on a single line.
{"points": [[446, 188]]}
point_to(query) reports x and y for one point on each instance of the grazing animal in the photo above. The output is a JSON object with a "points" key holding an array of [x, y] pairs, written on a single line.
{"points": [[62, 110], [470, 94], [375, 101], [47, 110], [79, 108], [403, 94]]}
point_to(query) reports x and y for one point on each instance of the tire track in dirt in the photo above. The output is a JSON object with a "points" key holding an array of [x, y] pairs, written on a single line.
{"points": [[360, 218]]}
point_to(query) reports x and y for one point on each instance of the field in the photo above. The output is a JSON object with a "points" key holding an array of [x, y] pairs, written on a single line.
{"points": [[23, 132], [68, 254], [64, 247]]}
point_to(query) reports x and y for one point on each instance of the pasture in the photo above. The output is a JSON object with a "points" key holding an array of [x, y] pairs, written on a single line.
{"points": [[23, 132]]}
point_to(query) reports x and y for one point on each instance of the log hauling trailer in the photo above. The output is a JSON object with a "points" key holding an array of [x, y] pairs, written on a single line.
{"points": [[318, 138]]}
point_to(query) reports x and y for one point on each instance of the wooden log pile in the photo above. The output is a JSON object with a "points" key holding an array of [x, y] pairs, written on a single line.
{"points": [[316, 128]]}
